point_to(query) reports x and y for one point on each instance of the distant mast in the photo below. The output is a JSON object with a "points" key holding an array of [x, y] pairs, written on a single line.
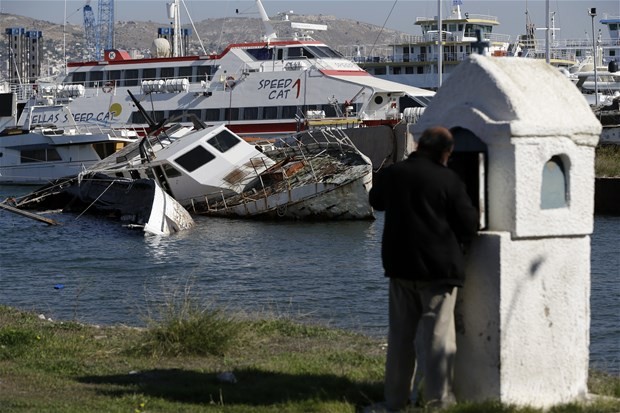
{"points": [[175, 17]]}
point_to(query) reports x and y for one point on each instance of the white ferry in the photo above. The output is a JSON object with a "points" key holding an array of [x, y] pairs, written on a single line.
{"points": [[265, 88]]}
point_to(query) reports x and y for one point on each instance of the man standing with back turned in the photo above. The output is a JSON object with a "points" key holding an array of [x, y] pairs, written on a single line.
{"points": [[429, 219]]}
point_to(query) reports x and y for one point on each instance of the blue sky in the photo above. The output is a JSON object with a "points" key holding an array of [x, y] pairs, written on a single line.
{"points": [[571, 16]]}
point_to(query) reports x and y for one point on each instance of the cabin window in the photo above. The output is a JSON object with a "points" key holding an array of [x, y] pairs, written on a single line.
{"points": [[289, 112], [79, 77], [167, 72], [196, 112], [39, 155], [270, 112], [231, 114], [176, 115], [114, 75], [409, 70], [554, 189], [330, 111], [96, 78], [212, 115], [148, 74], [195, 158], [250, 113], [280, 54], [380, 71], [158, 115], [131, 77], [295, 52], [106, 149], [264, 53], [171, 171], [203, 73], [186, 72], [137, 118], [223, 141]]}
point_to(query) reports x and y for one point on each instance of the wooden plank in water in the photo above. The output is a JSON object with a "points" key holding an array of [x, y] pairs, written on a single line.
{"points": [[28, 214]]}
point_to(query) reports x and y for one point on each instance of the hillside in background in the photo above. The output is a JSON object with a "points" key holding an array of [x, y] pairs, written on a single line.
{"points": [[215, 34]]}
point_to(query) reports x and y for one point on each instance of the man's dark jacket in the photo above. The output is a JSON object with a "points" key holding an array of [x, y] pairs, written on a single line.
{"points": [[428, 219]]}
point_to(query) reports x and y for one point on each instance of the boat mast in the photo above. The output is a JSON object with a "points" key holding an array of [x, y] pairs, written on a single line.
{"points": [[440, 45], [175, 16], [270, 33]]}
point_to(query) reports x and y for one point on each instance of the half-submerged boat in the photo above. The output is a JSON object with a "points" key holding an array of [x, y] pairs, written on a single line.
{"points": [[136, 203], [319, 174]]}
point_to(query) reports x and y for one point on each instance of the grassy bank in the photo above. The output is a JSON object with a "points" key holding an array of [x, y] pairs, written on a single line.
{"points": [[607, 161], [194, 360]]}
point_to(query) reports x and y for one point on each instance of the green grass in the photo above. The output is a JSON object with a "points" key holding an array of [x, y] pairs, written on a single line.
{"points": [[172, 365], [607, 162]]}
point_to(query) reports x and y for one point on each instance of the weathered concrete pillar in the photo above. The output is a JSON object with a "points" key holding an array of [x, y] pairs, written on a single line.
{"points": [[523, 317]]}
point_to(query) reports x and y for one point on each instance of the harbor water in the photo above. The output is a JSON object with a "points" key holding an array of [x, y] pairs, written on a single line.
{"points": [[93, 270]]}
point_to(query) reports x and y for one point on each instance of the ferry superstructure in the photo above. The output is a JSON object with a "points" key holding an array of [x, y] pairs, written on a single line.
{"points": [[413, 59], [264, 88]]}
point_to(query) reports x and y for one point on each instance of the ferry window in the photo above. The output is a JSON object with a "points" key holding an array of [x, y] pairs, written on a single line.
{"points": [[409, 70], [203, 73], [250, 113], [114, 75], [223, 141], [264, 53], [270, 112], [79, 77], [95, 78], [280, 54], [380, 71], [176, 115], [196, 112], [212, 115], [131, 77], [329, 110], [167, 72], [295, 52], [138, 118], [289, 112], [554, 184], [231, 114], [194, 159], [186, 72], [148, 74], [397, 70], [158, 115], [171, 171]]}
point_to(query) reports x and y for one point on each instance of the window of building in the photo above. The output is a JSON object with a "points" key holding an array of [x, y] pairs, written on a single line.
{"points": [[554, 189]]}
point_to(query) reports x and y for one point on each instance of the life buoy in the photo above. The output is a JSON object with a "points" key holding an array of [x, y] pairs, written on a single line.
{"points": [[230, 82], [108, 87]]}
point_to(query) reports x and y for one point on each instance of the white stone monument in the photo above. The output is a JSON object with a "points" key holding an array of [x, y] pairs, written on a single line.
{"points": [[523, 317]]}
